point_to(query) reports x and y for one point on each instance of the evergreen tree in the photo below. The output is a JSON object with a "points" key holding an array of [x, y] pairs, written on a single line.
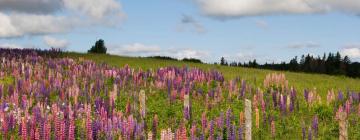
{"points": [[99, 47]]}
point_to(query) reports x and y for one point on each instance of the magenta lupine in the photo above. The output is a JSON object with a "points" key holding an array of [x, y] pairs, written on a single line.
{"points": [[88, 123], [193, 131], [37, 134]]}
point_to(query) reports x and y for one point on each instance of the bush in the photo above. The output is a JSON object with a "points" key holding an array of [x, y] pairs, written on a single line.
{"points": [[194, 60], [99, 47]]}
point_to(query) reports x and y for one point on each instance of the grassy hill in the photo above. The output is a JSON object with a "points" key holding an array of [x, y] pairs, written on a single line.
{"points": [[300, 81]]}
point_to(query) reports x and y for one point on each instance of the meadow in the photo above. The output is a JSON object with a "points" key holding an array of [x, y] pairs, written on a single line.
{"points": [[95, 96]]}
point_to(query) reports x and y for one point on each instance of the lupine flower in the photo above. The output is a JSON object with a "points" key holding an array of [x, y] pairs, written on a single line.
{"points": [[187, 106], [240, 133], [309, 134], [211, 131], [303, 129], [243, 88], [340, 96], [241, 118], [193, 131], [315, 125], [257, 118], [273, 129], [23, 129], [203, 122], [306, 95], [154, 126], [142, 100]]}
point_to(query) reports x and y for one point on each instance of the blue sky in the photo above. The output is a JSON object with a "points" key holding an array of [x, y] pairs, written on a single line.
{"points": [[187, 28]]}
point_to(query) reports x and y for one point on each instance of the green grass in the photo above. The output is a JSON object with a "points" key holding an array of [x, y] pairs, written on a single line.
{"points": [[300, 81]]}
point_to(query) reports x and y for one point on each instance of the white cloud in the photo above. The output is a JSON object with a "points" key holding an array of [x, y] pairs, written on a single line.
{"points": [[11, 46], [241, 8], [187, 53], [17, 24], [7, 29], [134, 49], [97, 9], [353, 51], [138, 49], [56, 43], [36, 19], [31, 6]]}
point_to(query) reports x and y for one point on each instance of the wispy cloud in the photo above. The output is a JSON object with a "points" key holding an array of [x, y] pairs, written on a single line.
{"points": [[139, 49], [262, 24], [190, 23], [309, 44], [11, 46], [243, 8]]}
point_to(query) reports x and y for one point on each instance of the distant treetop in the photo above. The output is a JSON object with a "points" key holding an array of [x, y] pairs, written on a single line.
{"points": [[99, 47]]}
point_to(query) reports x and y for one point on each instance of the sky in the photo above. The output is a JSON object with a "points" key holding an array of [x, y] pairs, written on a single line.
{"points": [[239, 30]]}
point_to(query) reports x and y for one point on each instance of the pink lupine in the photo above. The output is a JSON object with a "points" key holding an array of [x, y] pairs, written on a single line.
{"points": [[23, 129], [154, 126], [203, 122], [181, 133], [273, 128], [193, 131], [347, 106], [37, 134], [88, 124], [62, 130]]}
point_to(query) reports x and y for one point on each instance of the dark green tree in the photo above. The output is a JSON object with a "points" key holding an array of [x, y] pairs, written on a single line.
{"points": [[99, 47]]}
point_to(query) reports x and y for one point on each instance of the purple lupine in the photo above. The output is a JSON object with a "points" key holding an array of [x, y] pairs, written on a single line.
{"points": [[243, 88], [292, 99], [306, 95], [211, 131], [355, 96], [315, 125], [303, 129], [340, 96], [228, 123], [274, 98], [240, 133], [169, 88], [309, 134]]}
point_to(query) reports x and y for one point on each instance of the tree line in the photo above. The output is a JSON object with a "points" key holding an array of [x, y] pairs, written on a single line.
{"points": [[332, 64]]}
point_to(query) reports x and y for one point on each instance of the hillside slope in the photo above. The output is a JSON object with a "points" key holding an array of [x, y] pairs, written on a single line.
{"points": [[300, 81]]}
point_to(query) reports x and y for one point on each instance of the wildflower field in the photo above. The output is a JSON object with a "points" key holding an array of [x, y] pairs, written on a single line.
{"points": [[53, 95]]}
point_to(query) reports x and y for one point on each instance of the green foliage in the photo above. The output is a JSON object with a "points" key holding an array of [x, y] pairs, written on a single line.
{"points": [[99, 47]]}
